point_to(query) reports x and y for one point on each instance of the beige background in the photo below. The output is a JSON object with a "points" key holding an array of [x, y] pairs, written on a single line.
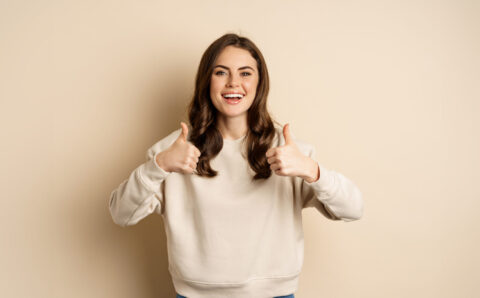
{"points": [[387, 91]]}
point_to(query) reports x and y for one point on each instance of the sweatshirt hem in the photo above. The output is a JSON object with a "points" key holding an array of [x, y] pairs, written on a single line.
{"points": [[261, 287]]}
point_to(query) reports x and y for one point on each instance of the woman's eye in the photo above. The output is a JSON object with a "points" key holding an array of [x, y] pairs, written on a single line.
{"points": [[244, 74]]}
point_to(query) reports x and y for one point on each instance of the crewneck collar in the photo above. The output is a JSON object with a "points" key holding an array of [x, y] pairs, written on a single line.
{"points": [[236, 141]]}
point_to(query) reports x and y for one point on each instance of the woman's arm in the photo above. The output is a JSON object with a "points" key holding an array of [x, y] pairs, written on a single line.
{"points": [[333, 194], [139, 195]]}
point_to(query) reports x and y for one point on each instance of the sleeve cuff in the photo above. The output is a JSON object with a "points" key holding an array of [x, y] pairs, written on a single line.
{"points": [[323, 181], [152, 172], [338, 194]]}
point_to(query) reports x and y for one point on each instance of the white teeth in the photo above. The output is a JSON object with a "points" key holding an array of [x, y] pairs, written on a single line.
{"points": [[233, 95]]}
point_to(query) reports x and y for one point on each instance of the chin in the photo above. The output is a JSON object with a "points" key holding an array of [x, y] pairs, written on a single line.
{"points": [[232, 115]]}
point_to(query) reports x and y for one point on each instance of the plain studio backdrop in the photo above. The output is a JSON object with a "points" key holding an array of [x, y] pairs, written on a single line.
{"points": [[387, 91]]}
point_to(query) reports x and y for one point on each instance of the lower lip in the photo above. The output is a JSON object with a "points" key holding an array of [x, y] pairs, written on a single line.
{"points": [[232, 101]]}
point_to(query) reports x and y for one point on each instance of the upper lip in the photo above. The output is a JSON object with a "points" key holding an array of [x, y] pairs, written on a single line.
{"points": [[232, 92]]}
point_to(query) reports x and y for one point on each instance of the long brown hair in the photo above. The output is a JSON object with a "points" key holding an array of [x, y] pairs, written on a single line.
{"points": [[202, 113]]}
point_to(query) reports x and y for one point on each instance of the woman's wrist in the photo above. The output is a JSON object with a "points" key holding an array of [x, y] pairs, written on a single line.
{"points": [[313, 172], [160, 161]]}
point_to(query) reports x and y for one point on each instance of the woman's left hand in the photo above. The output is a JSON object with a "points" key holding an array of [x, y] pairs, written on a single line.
{"points": [[287, 160]]}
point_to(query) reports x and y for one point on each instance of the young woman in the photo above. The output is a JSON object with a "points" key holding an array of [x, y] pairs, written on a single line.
{"points": [[231, 188]]}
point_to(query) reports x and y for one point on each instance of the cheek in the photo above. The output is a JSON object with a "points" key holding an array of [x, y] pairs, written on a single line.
{"points": [[215, 85], [251, 85]]}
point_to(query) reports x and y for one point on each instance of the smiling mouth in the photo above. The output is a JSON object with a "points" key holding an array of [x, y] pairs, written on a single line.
{"points": [[232, 96]]}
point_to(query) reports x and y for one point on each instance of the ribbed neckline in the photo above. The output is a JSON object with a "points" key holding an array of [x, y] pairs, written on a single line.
{"points": [[236, 141]]}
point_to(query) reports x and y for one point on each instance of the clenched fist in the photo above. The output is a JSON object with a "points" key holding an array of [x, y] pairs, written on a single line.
{"points": [[181, 157], [287, 160]]}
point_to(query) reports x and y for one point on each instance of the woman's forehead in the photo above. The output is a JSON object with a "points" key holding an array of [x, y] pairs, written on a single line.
{"points": [[235, 57]]}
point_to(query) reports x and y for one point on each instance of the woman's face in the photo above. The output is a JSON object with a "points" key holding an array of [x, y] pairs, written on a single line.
{"points": [[235, 72]]}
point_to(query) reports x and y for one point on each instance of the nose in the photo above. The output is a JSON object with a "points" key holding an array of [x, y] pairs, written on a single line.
{"points": [[232, 81]]}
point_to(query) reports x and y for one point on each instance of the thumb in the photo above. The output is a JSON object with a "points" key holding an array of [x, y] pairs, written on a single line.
{"points": [[287, 135], [183, 135]]}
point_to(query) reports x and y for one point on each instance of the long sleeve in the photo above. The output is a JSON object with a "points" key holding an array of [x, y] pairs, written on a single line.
{"points": [[139, 195], [333, 194]]}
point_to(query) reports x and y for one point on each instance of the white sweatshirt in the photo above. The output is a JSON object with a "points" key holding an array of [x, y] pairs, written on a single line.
{"points": [[228, 236]]}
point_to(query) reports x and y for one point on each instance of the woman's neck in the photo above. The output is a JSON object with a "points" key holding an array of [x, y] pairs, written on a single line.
{"points": [[232, 128]]}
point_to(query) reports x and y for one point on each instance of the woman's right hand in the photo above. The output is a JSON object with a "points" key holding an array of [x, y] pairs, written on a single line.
{"points": [[181, 157]]}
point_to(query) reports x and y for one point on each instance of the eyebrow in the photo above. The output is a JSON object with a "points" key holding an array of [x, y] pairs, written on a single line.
{"points": [[240, 68]]}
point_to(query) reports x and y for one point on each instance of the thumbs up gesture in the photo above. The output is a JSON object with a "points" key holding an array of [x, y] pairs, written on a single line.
{"points": [[287, 160], [181, 157]]}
